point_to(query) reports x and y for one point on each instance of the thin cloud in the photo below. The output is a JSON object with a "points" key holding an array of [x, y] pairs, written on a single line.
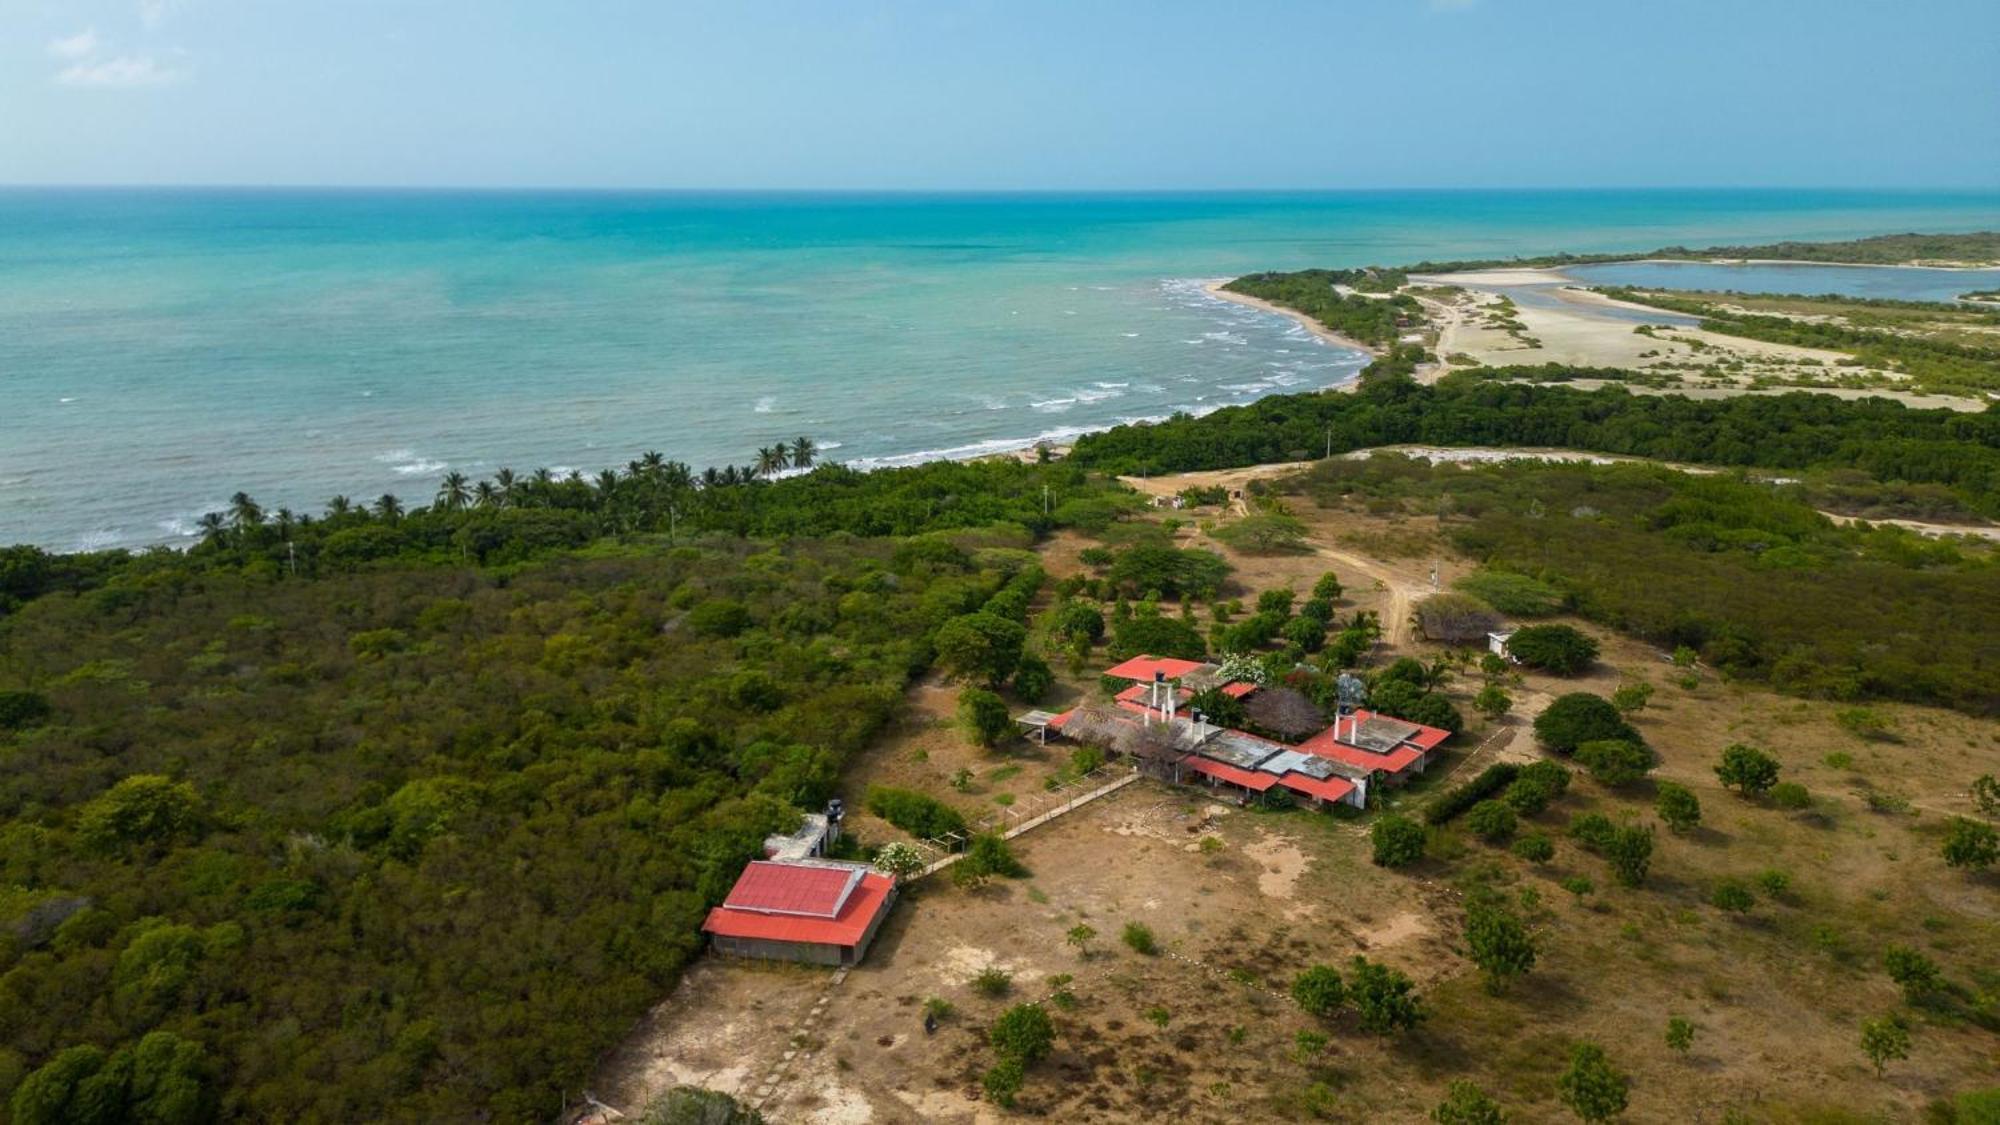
{"points": [[153, 13], [81, 45], [123, 72]]}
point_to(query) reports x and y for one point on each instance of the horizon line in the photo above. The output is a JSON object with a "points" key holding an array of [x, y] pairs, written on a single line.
{"points": [[1017, 191]]}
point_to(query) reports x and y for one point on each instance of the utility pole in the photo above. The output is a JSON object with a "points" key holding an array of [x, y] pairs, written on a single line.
{"points": [[292, 556], [1329, 442], [1045, 499]]}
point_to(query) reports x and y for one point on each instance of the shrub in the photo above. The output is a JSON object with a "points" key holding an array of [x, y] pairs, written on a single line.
{"points": [[1002, 1082], [719, 617], [1592, 1088], [1632, 697], [1732, 896], [1581, 717], [1774, 882], [990, 855], [1615, 761], [1456, 800], [1138, 937], [1680, 1035], [1916, 974], [1171, 572], [984, 717], [1630, 852], [993, 981], [1266, 533], [1592, 830], [1327, 587], [1747, 770], [1499, 944], [1677, 806], [1539, 784], [1384, 999], [1456, 619], [1319, 990], [1535, 847], [1492, 701], [1466, 1104], [1578, 885], [1560, 649], [1077, 621], [1398, 841], [1492, 821], [1970, 844], [1155, 635], [1885, 1040], [1514, 594], [1023, 1032], [142, 811], [920, 815], [1790, 795]]}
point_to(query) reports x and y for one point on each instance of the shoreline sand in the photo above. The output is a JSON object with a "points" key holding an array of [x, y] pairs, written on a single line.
{"points": [[1215, 289]]}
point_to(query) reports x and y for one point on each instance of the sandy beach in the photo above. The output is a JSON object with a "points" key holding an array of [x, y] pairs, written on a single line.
{"points": [[1215, 289]]}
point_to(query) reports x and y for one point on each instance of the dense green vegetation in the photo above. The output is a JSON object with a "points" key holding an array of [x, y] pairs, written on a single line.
{"points": [[1762, 586], [1932, 362], [1884, 249], [1375, 321], [322, 820], [1889, 441]]}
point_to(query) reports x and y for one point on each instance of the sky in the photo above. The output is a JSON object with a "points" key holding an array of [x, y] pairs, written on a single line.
{"points": [[1001, 94]]}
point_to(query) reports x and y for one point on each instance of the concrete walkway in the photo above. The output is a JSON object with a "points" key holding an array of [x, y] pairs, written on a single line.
{"points": [[1036, 821]]}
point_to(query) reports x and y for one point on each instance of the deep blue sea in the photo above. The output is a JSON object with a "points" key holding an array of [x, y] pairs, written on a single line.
{"points": [[160, 350]]}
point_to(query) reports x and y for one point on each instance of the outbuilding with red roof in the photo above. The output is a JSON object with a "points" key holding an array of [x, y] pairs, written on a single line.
{"points": [[816, 911]]}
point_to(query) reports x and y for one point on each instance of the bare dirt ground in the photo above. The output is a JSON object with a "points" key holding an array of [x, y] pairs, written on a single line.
{"points": [[1204, 1031]]}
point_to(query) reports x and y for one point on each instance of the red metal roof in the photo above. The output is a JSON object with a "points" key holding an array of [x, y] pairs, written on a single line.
{"points": [[1332, 789], [857, 911], [1237, 689], [775, 887], [1395, 761], [1223, 771], [1141, 668]]}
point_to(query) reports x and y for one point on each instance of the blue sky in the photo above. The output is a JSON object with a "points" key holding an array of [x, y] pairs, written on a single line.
{"points": [[1083, 94]]}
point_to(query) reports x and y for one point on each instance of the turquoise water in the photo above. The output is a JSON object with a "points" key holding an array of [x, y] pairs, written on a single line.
{"points": [[161, 349], [1902, 284]]}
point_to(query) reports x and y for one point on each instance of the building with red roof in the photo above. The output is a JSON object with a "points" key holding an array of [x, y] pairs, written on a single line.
{"points": [[1335, 765], [816, 911]]}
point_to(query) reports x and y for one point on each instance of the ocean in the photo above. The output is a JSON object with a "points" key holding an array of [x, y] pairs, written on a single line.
{"points": [[163, 349]]}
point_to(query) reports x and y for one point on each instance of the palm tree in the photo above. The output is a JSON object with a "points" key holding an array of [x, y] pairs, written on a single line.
{"points": [[804, 451], [339, 506], [504, 480], [542, 476], [212, 524], [453, 492], [486, 494], [652, 461], [676, 474], [388, 507], [286, 521], [607, 484], [772, 459], [244, 512]]}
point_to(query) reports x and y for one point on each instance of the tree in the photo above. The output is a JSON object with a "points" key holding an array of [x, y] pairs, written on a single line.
{"points": [[1492, 702], [1466, 1104], [1398, 840], [1139, 938], [1456, 619], [772, 460], [1747, 770], [1536, 786], [982, 647], [1032, 678], [899, 860], [454, 492], [1581, 717], [1023, 1032], [1968, 843], [1885, 1040], [1592, 1088], [804, 451], [1080, 936], [1629, 850], [1500, 945], [20, 710], [1319, 990], [1266, 533], [144, 810], [244, 512], [1286, 713], [1614, 761], [1560, 649], [984, 717], [1680, 1035], [1492, 821], [1677, 806], [1327, 587], [1384, 998]]}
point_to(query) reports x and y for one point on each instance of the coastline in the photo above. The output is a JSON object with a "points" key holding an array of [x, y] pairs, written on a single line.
{"points": [[1327, 335]]}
